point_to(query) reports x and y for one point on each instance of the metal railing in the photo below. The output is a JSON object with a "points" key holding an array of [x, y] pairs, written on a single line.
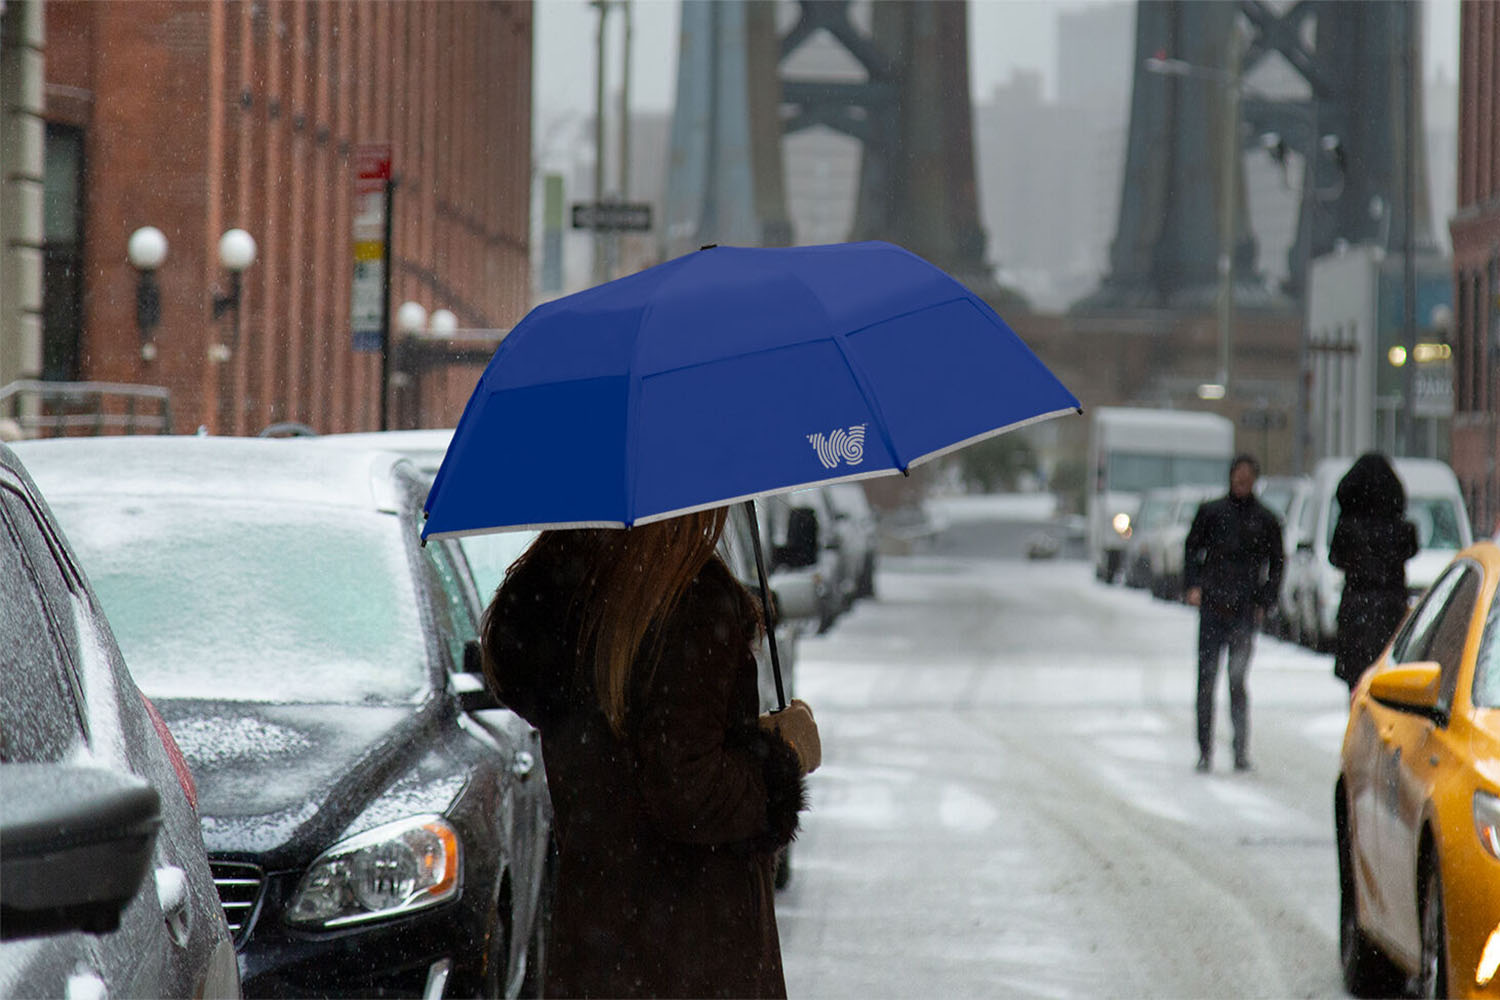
{"points": [[58, 409]]}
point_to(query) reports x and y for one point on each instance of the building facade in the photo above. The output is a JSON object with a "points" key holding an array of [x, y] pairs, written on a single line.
{"points": [[200, 117], [21, 185], [1358, 361], [1475, 229]]}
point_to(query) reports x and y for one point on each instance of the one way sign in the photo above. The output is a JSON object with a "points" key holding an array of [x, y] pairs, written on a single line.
{"points": [[615, 216]]}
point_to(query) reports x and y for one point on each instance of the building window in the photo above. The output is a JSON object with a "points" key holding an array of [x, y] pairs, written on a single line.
{"points": [[62, 253]]}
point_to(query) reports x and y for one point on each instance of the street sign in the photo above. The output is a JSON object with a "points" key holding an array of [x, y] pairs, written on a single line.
{"points": [[612, 216], [372, 175]]}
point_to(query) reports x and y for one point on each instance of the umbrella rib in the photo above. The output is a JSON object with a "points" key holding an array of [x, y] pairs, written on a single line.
{"points": [[840, 339], [632, 408]]}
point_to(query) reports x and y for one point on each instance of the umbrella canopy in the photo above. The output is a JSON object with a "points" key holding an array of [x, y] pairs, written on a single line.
{"points": [[726, 374]]}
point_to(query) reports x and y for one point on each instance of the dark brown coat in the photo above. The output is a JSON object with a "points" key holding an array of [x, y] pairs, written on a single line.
{"points": [[666, 838]]}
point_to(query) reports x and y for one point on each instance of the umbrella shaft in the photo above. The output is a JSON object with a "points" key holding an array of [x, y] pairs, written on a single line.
{"points": [[765, 598]]}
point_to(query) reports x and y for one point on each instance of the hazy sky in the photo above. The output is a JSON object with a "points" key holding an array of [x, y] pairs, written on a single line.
{"points": [[1009, 34]]}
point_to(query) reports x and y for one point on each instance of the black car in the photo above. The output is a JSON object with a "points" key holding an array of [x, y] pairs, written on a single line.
{"points": [[377, 824], [104, 885]]}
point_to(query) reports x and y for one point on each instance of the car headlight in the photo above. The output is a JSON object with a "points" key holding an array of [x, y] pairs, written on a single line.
{"points": [[393, 869], [1487, 822], [1121, 524]]}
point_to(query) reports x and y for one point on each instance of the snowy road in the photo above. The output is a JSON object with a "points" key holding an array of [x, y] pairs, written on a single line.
{"points": [[1008, 808]]}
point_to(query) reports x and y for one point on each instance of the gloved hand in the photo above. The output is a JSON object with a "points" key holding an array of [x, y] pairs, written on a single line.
{"points": [[796, 726]]}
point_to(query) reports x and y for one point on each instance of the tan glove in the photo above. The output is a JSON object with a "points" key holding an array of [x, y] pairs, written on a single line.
{"points": [[796, 726]]}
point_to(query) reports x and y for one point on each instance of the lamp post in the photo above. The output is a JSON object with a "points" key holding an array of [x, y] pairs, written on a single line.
{"points": [[147, 250], [1230, 86], [236, 254]]}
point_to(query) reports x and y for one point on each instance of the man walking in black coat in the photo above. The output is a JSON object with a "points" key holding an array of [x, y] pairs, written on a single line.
{"points": [[1232, 567]]}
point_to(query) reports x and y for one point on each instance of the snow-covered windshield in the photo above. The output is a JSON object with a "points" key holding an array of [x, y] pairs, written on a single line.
{"points": [[254, 602]]}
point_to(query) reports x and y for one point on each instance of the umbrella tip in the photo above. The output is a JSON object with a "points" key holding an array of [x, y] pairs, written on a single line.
{"points": [[708, 246]]}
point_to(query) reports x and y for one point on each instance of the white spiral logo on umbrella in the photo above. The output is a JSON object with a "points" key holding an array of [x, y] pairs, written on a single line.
{"points": [[840, 446]]}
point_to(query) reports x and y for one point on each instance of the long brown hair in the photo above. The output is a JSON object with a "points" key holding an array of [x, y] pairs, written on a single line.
{"points": [[633, 581]]}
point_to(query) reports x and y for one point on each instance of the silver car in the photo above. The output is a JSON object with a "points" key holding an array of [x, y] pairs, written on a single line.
{"points": [[105, 888]]}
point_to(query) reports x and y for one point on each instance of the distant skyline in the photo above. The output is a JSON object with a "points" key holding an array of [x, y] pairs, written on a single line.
{"points": [[1004, 36]]}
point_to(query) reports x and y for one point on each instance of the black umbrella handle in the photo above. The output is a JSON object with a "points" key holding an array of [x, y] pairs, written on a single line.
{"points": [[765, 598]]}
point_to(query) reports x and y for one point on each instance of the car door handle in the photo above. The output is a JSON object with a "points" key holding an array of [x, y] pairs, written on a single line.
{"points": [[522, 763], [172, 894]]}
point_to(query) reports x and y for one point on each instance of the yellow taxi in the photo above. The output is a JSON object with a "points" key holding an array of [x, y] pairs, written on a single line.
{"points": [[1417, 805]]}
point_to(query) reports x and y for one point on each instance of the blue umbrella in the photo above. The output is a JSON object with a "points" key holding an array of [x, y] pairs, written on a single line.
{"points": [[727, 374]]}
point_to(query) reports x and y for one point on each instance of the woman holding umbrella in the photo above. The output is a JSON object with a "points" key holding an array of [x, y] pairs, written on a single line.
{"points": [[632, 652]]}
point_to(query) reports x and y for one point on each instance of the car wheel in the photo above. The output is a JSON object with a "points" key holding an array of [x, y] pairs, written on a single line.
{"points": [[1432, 975], [1367, 972], [784, 867]]}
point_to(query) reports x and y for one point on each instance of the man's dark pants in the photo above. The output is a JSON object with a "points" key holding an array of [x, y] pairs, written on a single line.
{"points": [[1215, 633]]}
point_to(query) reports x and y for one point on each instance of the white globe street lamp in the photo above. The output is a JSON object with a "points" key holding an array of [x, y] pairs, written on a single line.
{"points": [[443, 323], [147, 250], [411, 318]]}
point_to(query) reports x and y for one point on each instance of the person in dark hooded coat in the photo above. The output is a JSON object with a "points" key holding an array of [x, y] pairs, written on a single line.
{"points": [[1372, 541], [632, 652]]}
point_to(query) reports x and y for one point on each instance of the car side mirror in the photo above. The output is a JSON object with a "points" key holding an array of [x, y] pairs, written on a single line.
{"points": [[1411, 686], [75, 845], [473, 693], [801, 548], [473, 658]]}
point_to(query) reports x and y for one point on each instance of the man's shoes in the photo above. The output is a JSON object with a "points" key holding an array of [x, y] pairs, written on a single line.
{"points": [[1205, 763], [1241, 762]]}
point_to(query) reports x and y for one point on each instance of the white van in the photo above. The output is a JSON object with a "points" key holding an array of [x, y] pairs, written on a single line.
{"points": [[1134, 450], [1434, 504]]}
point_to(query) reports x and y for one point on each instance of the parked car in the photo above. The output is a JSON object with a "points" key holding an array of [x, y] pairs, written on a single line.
{"points": [[832, 573], [1276, 492], [104, 884], [1168, 541], [858, 532], [1434, 503], [1417, 801], [376, 823], [1154, 512], [1283, 620]]}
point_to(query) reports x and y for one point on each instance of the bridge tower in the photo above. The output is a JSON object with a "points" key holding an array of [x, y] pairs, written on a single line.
{"points": [[911, 115], [1352, 132]]}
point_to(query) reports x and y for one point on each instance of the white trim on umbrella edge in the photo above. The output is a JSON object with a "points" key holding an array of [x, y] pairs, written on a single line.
{"points": [[665, 515]]}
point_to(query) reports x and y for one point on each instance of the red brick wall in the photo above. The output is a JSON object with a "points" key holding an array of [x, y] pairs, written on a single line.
{"points": [[203, 116], [1475, 228]]}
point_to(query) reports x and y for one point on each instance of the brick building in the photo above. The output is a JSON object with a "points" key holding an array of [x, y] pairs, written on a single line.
{"points": [[199, 117], [1476, 266]]}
